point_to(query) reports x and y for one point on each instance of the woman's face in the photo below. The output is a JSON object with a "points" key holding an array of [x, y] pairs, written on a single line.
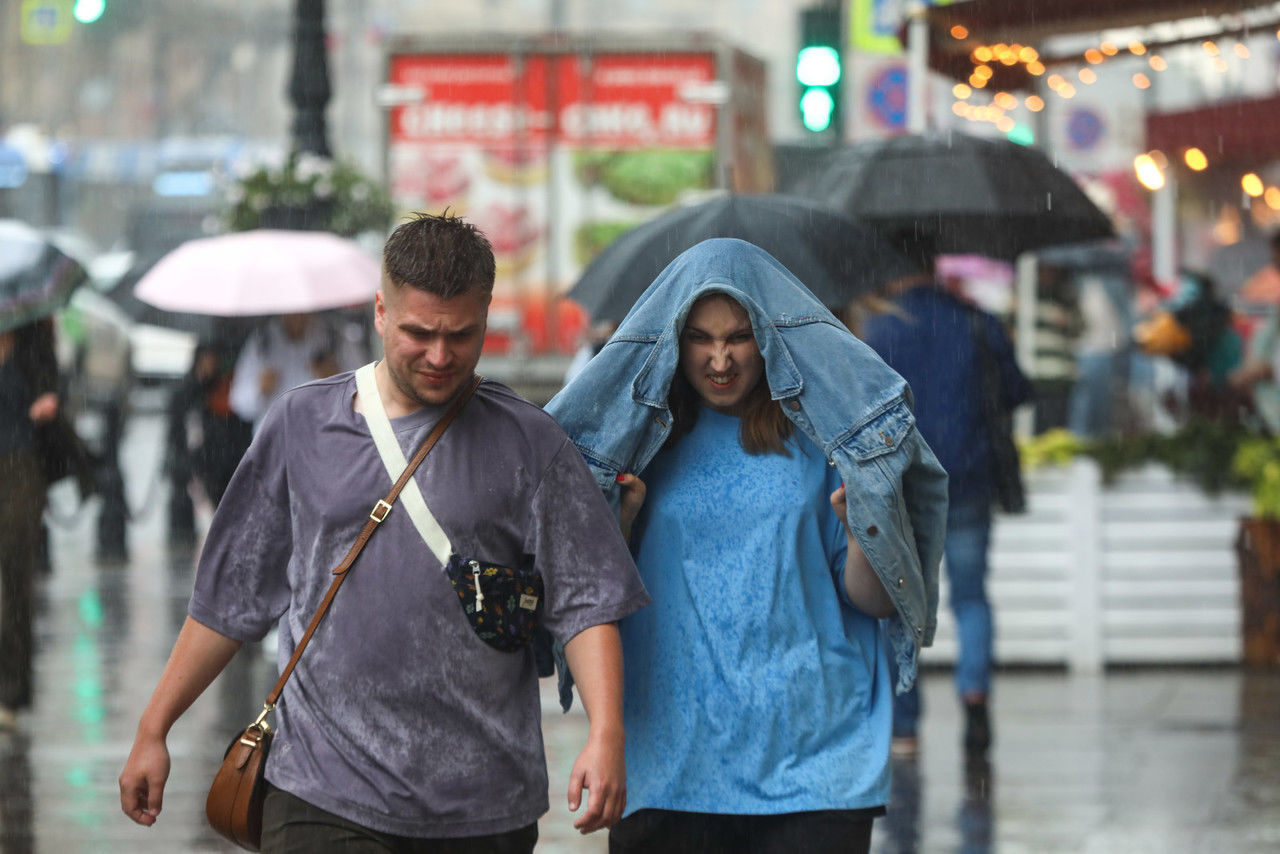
{"points": [[719, 355]]}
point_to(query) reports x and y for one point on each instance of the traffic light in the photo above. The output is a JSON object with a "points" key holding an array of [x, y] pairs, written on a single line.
{"points": [[88, 11], [818, 69]]}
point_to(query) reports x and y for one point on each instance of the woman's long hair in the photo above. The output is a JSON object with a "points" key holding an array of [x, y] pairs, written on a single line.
{"points": [[765, 427]]}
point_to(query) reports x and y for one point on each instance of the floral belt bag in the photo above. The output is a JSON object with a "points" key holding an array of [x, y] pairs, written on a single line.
{"points": [[503, 604]]}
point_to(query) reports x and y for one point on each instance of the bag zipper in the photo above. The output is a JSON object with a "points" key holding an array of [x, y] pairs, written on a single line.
{"points": [[475, 574]]}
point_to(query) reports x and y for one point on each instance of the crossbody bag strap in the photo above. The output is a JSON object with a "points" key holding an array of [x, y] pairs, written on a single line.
{"points": [[379, 512], [384, 439]]}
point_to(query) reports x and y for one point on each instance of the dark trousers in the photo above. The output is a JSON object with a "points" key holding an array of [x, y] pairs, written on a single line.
{"points": [[671, 832], [290, 825], [21, 538]]}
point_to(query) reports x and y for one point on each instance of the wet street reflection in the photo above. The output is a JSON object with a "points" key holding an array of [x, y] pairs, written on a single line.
{"points": [[1165, 760]]}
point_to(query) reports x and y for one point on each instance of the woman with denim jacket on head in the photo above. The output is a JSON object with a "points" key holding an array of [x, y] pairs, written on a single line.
{"points": [[757, 694]]}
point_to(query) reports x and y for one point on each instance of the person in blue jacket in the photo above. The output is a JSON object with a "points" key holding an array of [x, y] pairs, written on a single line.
{"points": [[787, 520], [930, 336]]}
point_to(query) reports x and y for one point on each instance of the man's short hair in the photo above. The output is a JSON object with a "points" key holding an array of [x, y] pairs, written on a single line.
{"points": [[442, 255]]}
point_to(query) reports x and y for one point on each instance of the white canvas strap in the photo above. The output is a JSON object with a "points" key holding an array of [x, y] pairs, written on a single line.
{"points": [[393, 460]]}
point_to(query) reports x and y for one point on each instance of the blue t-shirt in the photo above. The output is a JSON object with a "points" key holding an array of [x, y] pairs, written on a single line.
{"points": [[752, 685]]}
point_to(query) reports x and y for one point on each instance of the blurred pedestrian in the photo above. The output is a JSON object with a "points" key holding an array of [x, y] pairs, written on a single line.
{"points": [[414, 714], [960, 366], [597, 336], [223, 436], [1260, 373], [286, 352], [36, 446], [757, 696]]}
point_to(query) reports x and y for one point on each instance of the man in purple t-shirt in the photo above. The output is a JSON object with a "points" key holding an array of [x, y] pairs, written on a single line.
{"points": [[400, 726]]}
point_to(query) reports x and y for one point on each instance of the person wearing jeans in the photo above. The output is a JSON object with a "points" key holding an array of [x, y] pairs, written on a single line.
{"points": [[929, 337], [968, 537]]}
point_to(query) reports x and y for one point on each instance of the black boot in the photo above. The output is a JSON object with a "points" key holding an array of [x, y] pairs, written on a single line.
{"points": [[977, 728]]}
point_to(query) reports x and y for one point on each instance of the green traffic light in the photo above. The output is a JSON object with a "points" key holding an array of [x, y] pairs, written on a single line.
{"points": [[818, 66], [817, 108], [88, 11]]}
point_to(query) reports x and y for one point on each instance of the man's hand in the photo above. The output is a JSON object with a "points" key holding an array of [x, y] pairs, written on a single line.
{"points": [[143, 778], [44, 408], [595, 658], [633, 492], [600, 769], [267, 381]]}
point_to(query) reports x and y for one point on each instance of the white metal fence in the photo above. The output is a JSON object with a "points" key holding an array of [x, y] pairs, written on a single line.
{"points": [[1142, 571]]}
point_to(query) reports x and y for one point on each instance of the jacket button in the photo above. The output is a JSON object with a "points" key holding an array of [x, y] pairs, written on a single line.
{"points": [[793, 405], [888, 440], [902, 582], [872, 531]]}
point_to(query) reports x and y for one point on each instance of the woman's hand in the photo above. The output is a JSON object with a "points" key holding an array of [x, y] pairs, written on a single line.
{"points": [[864, 587], [44, 408], [633, 491]]}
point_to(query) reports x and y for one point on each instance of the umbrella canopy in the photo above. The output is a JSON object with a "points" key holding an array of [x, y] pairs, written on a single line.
{"points": [[958, 194], [36, 277], [261, 272], [834, 256]]}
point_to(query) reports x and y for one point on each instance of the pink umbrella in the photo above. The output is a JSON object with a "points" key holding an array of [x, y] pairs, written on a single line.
{"points": [[261, 272]]}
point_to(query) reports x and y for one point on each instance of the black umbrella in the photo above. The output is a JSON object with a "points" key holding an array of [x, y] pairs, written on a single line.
{"points": [[121, 293], [834, 256], [36, 277], [952, 193]]}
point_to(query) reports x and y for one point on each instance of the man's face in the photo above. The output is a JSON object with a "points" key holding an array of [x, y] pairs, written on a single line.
{"points": [[431, 344]]}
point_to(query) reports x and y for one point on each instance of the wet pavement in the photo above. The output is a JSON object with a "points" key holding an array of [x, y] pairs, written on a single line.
{"points": [[1168, 760]]}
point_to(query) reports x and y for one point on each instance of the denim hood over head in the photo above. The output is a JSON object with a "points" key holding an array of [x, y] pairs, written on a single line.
{"points": [[834, 388]]}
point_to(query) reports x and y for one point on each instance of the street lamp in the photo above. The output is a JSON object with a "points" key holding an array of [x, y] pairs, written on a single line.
{"points": [[309, 89]]}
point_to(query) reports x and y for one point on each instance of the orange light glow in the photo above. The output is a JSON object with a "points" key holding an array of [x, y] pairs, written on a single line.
{"points": [[1028, 54], [1035, 67], [961, 91], [1087, 76], [1148, 172], [1157, 63], [984, 71], [1142, 81], [983, 54], [959, 32], [1137, 48], [1093, 56], [960, 108], [1195, 159], [977, 82], [1035, 103], [1251, 184], [1067, 91], [1272, 198], [1005, 124], [1056, 81], [1219, 65], [1005, 101], [1242, 50], [1108, 48], [1210, 48]]}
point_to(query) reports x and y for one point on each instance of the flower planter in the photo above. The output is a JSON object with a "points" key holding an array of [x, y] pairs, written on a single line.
{"points": [[1258, 553]]}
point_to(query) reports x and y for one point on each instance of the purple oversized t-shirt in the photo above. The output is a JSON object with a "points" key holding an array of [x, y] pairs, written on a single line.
{"points": [[398, 716]]}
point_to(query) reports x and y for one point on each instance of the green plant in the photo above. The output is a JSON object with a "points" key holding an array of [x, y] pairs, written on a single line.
{"points": [[1203, 451], [1257, 461], [344, 199]]}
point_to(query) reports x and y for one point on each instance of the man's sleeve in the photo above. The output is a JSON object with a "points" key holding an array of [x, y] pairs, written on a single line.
{"points": [[245, 396], [242, 584], [1014, 385], [574, 537]]}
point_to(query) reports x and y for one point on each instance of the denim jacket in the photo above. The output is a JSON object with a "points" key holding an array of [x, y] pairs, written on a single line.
{"points": [[833, 387]]}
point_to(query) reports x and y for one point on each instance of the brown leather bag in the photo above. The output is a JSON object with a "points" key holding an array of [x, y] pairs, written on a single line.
{"points": [[234, 805]]}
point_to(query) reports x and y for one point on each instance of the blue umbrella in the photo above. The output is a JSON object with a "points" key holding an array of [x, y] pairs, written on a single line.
{"points": [[36, 277]]}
